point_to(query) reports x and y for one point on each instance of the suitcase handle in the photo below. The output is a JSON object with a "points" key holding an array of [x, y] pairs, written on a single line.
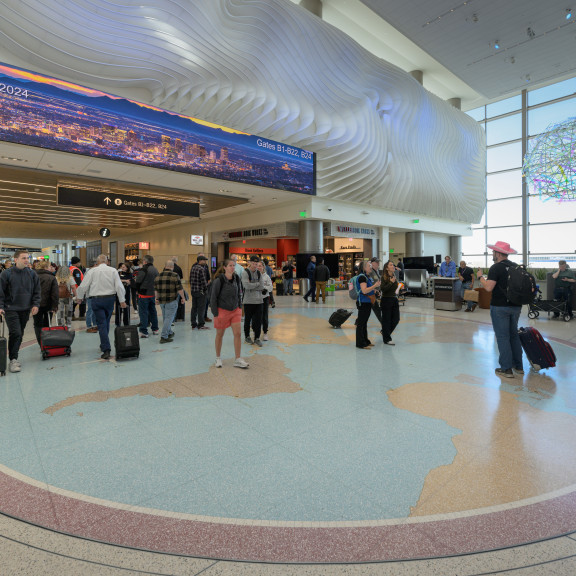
{"points": [[2, 322]]}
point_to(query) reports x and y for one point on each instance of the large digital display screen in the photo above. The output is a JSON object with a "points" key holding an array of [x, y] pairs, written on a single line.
{"points": [[37, 110]]}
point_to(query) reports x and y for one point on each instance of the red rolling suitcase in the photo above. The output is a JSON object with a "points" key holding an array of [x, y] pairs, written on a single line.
{"points": [[538, 351], [3, 350], [56, 341]]}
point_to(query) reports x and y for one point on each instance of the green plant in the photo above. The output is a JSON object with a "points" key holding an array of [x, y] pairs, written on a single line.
{"points": [[538, 273]]}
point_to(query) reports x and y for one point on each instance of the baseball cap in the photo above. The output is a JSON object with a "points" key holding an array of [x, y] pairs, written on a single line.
{"points": [[200, 258], [374, 259]]}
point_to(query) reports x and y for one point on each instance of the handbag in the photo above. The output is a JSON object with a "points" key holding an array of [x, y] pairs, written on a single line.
{"points": [[471, 295], [372, 298]]}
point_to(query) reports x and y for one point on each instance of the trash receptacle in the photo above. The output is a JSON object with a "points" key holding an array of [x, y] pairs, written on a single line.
{"points": [[303, 286], [330, 287]]}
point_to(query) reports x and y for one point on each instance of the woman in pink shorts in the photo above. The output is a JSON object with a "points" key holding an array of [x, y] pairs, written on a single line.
{"points": [[226, 305]]}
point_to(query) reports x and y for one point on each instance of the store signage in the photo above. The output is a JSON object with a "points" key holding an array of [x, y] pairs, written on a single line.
{"points": [[197, 240], [270, 231], [128, 203], [349, 231], [56, 251], [48, 113], [104, 232], [144, 245], [253, 250]]}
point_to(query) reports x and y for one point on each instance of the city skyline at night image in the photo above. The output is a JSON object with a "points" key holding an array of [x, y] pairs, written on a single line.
{"points": [[44, 112]]}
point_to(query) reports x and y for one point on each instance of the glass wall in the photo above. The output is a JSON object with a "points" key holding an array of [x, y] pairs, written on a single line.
{"points": [[550, 225]]}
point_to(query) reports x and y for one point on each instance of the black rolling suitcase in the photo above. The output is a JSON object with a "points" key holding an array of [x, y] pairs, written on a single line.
{"points": [[339, 317], [181, 311], [538, 351], [126, 342], [3, 350], [279, 289]]}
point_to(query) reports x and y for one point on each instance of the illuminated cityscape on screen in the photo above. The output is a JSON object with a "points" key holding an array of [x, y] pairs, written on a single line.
{"points": [[39, 111]]}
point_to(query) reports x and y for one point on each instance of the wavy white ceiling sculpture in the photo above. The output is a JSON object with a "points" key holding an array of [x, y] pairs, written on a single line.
{"points": [[270, 68]]}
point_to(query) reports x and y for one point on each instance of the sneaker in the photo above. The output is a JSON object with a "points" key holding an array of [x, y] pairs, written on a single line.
{"points": [[105, 355], [155, 332], [240, 363], [248, 340], [265, 337], [257, 342], [518, 370], [218, 363], [17, 362], [143, 335], [390, 343], [166, 340], [203, 327], [14, 366], [504, 373]]}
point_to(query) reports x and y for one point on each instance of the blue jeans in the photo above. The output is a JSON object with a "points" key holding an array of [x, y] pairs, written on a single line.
{"points": [[148, 314], [466, 286], [90, 320], [505, 324], [168, 313], [312, 291], [288, 286], [103, 309]]}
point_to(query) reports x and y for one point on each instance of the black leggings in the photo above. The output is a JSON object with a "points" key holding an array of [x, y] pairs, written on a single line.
{"points": [[390, 317]]}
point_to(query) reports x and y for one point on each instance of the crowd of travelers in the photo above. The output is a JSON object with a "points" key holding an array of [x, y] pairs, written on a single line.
{"points": [[51, 293]]}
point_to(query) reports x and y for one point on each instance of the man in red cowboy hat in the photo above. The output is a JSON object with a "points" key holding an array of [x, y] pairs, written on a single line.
{"points": [[503, 313]]}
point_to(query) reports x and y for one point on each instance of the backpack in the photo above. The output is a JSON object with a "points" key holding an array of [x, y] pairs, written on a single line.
{"points": [[63, 290], [521, 285], [354, 288]]}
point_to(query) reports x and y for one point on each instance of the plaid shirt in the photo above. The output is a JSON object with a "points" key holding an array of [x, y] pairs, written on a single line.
{"points": [[167, 284], [198, 282]]}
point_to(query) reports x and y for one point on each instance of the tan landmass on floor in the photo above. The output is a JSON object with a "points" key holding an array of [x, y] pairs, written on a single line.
{"points": [[226, 381], [507, 451]]}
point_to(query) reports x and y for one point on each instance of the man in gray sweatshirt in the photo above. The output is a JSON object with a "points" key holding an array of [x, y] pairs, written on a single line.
{"points": [[253, 292]]}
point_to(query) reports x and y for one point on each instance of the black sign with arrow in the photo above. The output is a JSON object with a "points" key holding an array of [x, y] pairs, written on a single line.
{"points": [[112, 201]]}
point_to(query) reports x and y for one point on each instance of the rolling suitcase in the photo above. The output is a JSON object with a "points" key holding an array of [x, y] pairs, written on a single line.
{"points": [[538, 351], [339, 317], [126, 342], [56, 341], [3, 350]]}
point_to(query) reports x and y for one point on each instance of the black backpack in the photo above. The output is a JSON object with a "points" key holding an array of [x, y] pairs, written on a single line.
{"points": [[521, 285]]}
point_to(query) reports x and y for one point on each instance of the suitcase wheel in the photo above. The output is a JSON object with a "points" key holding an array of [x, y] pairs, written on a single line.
{"points": [[44, 355], [567, 317], [532, 315], [2, 373]]}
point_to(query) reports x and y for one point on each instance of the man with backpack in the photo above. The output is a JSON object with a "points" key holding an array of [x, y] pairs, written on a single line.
{"points": [[78, 271], [254, 290], [505, 308]]}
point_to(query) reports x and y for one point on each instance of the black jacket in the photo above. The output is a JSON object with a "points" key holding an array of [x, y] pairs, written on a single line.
{"points": [[48, 289], [19, 289]]}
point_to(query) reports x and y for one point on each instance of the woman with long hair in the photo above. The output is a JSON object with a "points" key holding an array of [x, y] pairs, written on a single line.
{"points": [[364, 304], [226, 305], [389, 302]]}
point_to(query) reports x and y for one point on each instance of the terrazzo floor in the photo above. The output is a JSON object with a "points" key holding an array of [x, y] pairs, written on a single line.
{"points": [[319, 453]]}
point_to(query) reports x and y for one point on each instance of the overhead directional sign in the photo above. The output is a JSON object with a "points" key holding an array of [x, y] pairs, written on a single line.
{"points": [[112, 201]]}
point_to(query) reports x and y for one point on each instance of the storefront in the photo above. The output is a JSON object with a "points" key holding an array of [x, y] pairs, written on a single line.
{"points": [[276, 242], [352, 243], [135, 250]]}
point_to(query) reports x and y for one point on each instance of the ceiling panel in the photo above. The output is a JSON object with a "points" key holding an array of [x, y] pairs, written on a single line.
{"points": [[537, 43]]}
